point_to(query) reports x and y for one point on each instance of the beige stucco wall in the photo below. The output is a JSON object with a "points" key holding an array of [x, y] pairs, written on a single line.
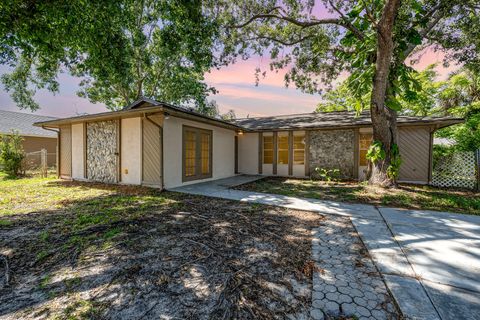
{"points": [[65, 159], [131, 151], [248, 153], [223, 153], [78, 165], [34, 144]]}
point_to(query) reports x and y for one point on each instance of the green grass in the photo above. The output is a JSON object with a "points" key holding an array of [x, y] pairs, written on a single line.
{"points": [[89, 214], [406, 196], [36, 194]]}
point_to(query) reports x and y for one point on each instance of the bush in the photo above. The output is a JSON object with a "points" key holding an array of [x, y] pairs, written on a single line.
{"points": [[327, 175], [11, 153]]}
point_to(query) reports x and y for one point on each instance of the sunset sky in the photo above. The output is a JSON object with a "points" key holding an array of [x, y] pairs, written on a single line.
{"points": [[235, 83]]}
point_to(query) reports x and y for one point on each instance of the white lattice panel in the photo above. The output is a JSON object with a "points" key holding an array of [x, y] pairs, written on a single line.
{"points": [[457, 170]]}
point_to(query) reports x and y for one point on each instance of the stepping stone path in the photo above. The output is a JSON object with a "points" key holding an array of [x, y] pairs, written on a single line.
{"points": [[346, 282]]}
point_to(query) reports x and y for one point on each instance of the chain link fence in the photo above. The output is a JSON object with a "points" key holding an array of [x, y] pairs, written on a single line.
{"points": [[460, 170]]}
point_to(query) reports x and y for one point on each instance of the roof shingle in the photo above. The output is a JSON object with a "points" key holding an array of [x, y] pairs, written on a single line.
{"points": [[23, 123], [328, 120]]}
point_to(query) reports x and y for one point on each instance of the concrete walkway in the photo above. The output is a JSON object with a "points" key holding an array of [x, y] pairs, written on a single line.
{"points": [[430, 260]]}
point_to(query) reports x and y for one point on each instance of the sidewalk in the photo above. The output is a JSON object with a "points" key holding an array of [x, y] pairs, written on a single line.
{"points": [[429, 260]]}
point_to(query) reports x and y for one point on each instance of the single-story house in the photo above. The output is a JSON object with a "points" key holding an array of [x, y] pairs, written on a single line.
{"points": [[34, 138], [158, 144]]}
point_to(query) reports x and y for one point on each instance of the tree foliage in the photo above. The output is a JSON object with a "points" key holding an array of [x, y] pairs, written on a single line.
{"points": [[315, 50], [121, 49], [11, 153], [458, 95], [211, 109], [426, 102], [370, 40]]}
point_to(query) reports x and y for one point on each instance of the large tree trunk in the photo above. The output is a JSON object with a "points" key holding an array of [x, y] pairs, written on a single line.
{"points": [[384, 120]]}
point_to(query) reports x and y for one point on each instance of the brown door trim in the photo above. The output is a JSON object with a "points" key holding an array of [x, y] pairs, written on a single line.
{"points": [[59, 155], [260, 153], [290, 153], [119, 150], [198, 175], [307, 153], [236, 154], [275, 150], [356, 151]]}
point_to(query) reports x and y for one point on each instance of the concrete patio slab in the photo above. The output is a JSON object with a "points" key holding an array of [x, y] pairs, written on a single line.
{"points": [[452, 302], [383, 248], [444, 251], [411, 297]]}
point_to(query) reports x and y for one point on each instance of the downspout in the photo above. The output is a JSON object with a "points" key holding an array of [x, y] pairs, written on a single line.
{"points": [[58, 148], [161, 142]]}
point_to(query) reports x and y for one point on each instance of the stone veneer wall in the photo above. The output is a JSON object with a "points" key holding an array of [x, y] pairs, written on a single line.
{"points": [[101, 149], [333, 149]]}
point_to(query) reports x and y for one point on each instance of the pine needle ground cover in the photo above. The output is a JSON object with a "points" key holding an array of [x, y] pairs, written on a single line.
{"points": [[72, 250], [406, 196]]}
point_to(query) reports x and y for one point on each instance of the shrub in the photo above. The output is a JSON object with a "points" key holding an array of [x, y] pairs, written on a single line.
{"points": [[327, 175], [11, 153]]}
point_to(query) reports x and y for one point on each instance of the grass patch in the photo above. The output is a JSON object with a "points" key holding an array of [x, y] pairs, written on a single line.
{"points": [[406, 196], [5, 223]]}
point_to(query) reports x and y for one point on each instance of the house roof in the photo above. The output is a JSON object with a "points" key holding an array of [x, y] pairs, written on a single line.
{"points": [[143, 106], [23, 123], [330, 120]]}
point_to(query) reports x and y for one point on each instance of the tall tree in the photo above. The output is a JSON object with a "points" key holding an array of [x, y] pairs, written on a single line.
{"points": [[460, 96], [425, 102], [370, 39], [122, 49]]}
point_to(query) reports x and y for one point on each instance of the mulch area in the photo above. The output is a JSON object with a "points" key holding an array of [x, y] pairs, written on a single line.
{"points": [[190, 258]]}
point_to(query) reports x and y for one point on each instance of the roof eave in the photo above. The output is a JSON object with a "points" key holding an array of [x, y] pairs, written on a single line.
{"points": [[124, 113], [438, 123]]}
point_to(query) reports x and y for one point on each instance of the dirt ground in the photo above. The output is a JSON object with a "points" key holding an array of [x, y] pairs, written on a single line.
{"points": [[152, 255]]}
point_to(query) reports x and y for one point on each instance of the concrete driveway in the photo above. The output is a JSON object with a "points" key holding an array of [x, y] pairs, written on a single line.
{"points": [[430, 260], [444, 251]]}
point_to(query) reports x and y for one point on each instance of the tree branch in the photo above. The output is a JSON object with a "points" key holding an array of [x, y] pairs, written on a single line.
{"points": [[304, 24], [369, 14], [423, 34], [294, 42], [281, 41], [348, 25]]}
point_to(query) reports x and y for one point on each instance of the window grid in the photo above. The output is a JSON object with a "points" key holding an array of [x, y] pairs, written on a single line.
{"points": [[282, 145], [197, 153], [365, 140], [205, 154], [190, 153], [298, 149], [268, 149]]}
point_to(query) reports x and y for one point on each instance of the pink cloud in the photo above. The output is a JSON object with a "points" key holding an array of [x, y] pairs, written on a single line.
{"points": [[243, 72]]}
